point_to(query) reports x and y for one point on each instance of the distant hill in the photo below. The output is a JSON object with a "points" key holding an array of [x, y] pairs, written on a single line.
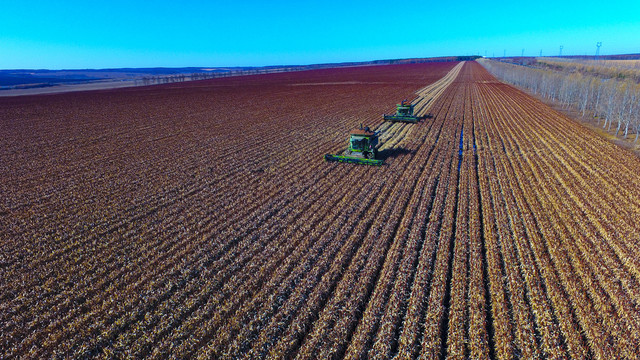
{"points": [[36, 78], [11, 78]]}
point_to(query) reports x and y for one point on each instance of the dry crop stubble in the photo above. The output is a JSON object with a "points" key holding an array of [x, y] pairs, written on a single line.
{"points": [[200, 220]]}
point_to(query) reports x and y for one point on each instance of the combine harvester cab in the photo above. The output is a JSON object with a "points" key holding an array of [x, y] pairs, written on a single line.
{"points": [[404, 113], [362, 149]]}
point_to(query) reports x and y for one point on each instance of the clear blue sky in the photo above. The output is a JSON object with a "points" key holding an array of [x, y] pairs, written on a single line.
{"points": [[70, 34]]}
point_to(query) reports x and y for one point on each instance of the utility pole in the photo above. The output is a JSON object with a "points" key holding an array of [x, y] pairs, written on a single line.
{"points": [[561, 46]]}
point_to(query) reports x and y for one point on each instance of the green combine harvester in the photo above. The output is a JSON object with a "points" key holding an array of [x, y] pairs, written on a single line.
{"points": [[361, 150], [404, 113]]}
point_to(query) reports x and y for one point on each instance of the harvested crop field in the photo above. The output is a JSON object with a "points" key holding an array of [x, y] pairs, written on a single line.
{"points": [[200, 220]]}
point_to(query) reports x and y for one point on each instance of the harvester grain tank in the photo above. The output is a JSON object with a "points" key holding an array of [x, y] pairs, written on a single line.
{"points": [[404, 113], [361, 149]]}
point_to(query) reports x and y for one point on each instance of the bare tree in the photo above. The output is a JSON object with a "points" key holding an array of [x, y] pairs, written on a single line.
{"points": [[631, 108]]}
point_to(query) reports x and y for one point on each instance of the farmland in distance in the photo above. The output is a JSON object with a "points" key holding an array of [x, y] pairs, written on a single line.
{"points": [[200, 220]]}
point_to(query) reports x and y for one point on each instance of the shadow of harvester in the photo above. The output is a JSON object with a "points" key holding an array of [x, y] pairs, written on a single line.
{"points": [[393, 153]]}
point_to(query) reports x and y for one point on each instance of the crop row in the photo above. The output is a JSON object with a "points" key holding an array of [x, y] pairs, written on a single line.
{"points": [[539, 162], [199, 220], [143, 225]]}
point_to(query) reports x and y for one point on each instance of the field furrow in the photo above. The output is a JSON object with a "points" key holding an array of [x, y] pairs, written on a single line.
{"points": [[200, 220]]}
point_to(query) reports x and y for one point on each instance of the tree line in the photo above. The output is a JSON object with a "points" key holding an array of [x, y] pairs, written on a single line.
{"points": [[614, 102], [165, 79]]}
